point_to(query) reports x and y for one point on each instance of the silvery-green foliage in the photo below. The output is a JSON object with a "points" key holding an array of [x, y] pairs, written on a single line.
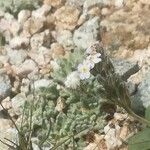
{"points": [[81, 109]]}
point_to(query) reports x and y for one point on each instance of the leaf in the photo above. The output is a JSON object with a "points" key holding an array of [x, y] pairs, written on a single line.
{"points": [[140, 141], [147, 113]]}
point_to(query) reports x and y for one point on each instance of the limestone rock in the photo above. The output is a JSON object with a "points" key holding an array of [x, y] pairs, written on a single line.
{"points": [[57, 50], [16, 57], [54, 3], [5, 86], [67, 17], [25, 68], [23, 15], [42, 83], [6, 103], [88, 4], [65, 38], [14, 28], [25, 86], [11, 134], [125, 68], [1, 14], [42, 57], [41, 39], [18, 103], [132, 34], [75, 3], [19, 42], [33, 25], [143, 91], [87, 34], [42, 11]]}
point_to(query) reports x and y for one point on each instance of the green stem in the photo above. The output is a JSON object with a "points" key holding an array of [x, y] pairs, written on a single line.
{"points": [[142, 120]]}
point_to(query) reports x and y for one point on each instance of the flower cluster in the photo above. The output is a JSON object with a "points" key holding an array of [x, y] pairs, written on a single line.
{"points": [[92, 58], [83, 70]]}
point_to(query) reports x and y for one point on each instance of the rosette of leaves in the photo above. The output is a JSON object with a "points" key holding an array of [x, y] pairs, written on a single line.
{"points": [[80, 112]]}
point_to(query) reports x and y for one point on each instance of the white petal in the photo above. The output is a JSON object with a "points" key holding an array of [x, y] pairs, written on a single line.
{"points": [[98, 54], [97, 60], [82, 77], [87, 75]]}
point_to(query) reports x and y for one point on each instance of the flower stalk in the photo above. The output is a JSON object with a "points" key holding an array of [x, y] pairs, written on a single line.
{"points": [[113, 87]]}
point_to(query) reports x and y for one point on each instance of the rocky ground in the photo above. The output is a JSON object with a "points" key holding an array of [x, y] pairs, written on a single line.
{"points": [[35, 39]]}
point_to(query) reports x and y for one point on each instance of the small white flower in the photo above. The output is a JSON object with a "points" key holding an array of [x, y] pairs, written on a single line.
{"points": [[95, 58], [73, 80], [84, 70]]}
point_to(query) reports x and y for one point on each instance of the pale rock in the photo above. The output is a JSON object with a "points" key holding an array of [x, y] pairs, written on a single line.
{"points": [[82, 19], [147, 2], [42, 83], [105, 11], [9, 16], [57, 50], [16, 86], [9, 27], [88, 4], [4, 59], [35, 146], [11, 134], [87, 34], [67, 17], [120, 117], [125, 68], [19, 42], [25, 68], [5, 124], [111, 137], [5, 86], [50, 22], [11, 112], [4, 25], [132, 34], [98, 143], [124, 131], [41, 39], [33, 25], [16, 57], [42, 56], [65, 38], [54, 3], [60, 105], [6, 103], [91, 146], [8, 36], [23, 16], [41, 12], [18, 103], [119, 3], [14, 28], [25, 86], [55, 66], [95, 11], [2, 13], [143, 91], [46, 69], [75, 3]]}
